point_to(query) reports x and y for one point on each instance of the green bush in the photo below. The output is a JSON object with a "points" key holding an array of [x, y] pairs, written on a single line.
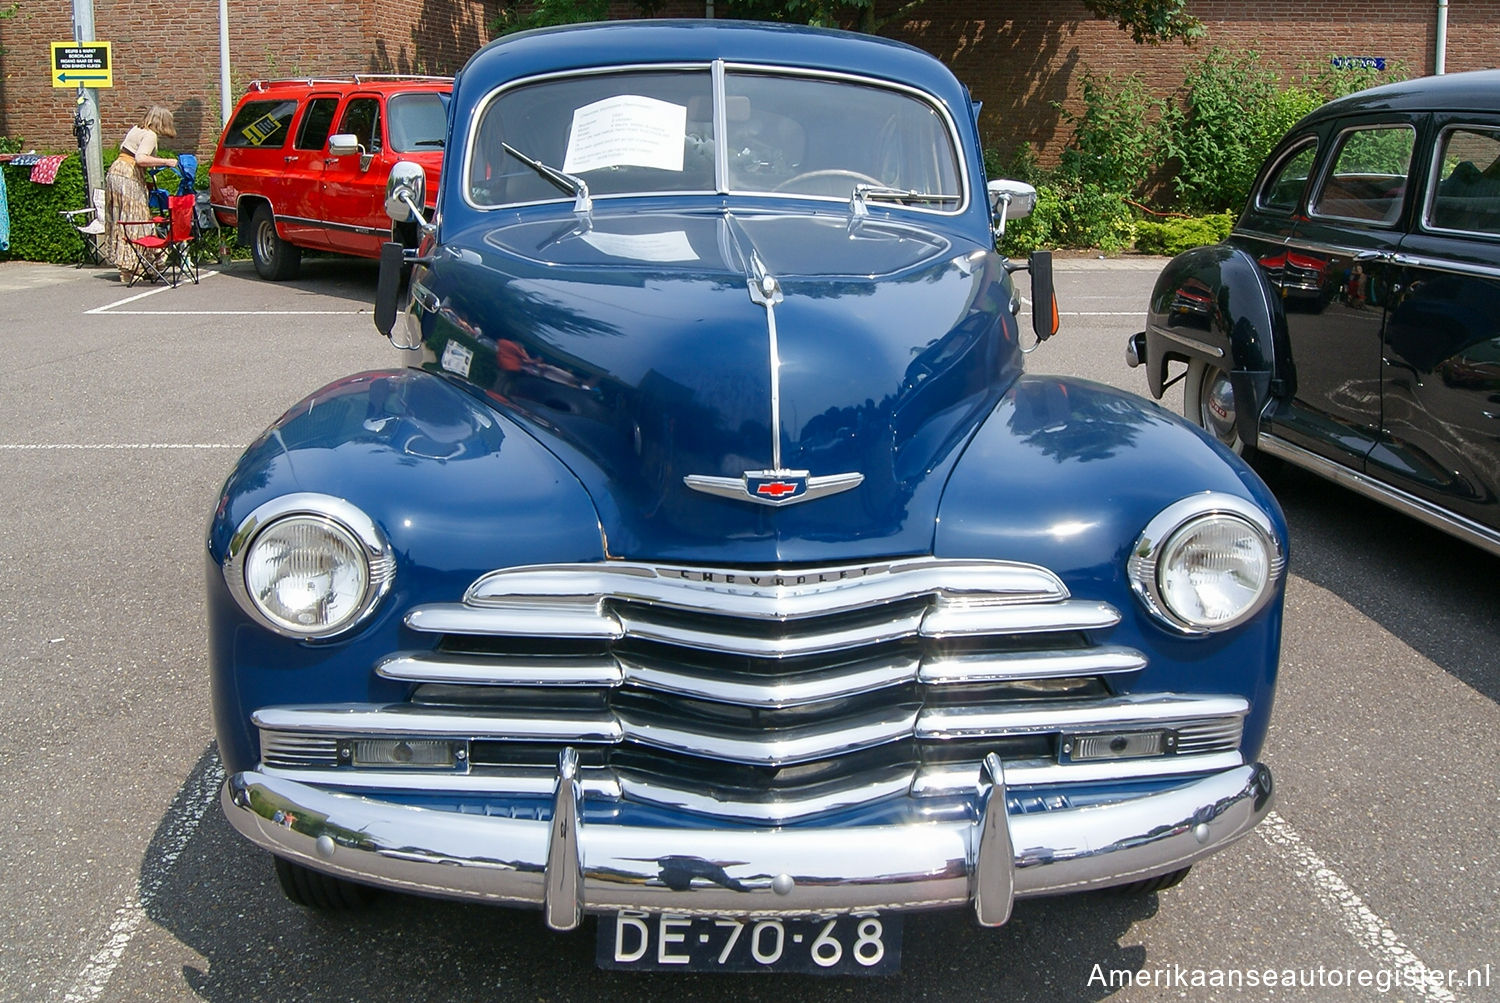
{"points": [[37, 232], [1173, 236], [1114, 142]]}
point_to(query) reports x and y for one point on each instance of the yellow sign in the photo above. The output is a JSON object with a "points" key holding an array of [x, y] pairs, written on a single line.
{"points": [[86, 63]]}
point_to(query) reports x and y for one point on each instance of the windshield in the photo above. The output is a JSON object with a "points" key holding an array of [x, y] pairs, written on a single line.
{"points": [[651, 132], [418, 122]]}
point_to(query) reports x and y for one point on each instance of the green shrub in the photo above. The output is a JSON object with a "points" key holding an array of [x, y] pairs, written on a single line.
{"points": [[37, 232], [1173, 236], [1114, 142]]}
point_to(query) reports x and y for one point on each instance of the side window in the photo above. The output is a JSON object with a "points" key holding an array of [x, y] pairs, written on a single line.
{"points": [[260, 124], [362, 118], [317, 123], [1283, 189], [1369, 175], [1466, 196]]}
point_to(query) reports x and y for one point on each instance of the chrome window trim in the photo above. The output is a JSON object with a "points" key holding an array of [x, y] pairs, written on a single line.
{"points": [[1337, 146], [718, 70], [1439, 147], [379, 558], [1270, 175]]}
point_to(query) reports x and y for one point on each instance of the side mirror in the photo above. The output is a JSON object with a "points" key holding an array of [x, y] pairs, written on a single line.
{"points": [[1009, 200], [1044, 319], [342, 144], [406, 193]]}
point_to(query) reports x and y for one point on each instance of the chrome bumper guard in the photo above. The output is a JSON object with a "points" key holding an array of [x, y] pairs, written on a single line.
{"points": [[569, 868]]}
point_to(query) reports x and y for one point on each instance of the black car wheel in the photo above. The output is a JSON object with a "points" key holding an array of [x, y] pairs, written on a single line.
{"points": [[1208, 401], [324, 892], [275, 259], [1160, 883]]}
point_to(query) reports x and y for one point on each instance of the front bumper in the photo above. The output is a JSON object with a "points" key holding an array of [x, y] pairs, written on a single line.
{"points": [[568, 868]]}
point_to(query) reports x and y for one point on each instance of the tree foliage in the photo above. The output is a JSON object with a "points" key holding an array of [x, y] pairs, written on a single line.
{"points": [[1148, 21]]}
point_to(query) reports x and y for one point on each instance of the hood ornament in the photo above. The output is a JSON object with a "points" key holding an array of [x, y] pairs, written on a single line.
{"points": [[774, 487], [777, 486]]}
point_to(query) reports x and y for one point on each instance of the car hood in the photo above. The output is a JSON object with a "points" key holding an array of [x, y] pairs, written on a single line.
{"points": [[659, 352]]}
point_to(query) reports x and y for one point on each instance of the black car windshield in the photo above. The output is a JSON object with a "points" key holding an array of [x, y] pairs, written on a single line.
{"points": [[652, 132], [418, 121]]}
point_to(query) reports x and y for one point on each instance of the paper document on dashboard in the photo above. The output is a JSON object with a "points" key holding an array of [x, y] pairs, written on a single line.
{"points": [[629, 130]]}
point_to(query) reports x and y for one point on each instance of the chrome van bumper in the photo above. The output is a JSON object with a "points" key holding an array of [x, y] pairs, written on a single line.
{"points": [[568, 868]]}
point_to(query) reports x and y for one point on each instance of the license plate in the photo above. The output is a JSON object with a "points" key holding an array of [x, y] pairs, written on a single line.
{"points": [[869, 944]]}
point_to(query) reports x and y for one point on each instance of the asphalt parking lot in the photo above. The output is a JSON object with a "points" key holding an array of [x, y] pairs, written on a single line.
{"points": [[1376, 877]]}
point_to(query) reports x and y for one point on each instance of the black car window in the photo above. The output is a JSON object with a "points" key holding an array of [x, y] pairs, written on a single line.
{"points": [[362, 120], [316, 123], [1283, 189], [418, 121], [260, 124], [1369, 175], [1466, 196]]}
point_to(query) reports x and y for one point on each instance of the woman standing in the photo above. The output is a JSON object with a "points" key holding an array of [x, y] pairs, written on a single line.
{"points": [[125, 184]]}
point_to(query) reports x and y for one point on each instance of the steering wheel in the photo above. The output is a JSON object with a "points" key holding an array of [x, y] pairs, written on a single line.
{"points": [[829, 172]]}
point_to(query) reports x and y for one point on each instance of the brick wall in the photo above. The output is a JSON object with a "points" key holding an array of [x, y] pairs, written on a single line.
{"points": [[1020, 64]]}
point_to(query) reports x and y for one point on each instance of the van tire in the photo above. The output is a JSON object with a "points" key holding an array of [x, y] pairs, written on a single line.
{"points": [[315, 890], [275, 259]]}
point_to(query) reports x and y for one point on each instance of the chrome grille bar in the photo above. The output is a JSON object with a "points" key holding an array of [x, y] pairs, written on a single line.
{"points": [[996, 721], [994, 667]]}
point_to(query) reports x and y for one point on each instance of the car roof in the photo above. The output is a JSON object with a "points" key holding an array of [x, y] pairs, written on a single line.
{"points": [[614, 43], [1477, 90]]}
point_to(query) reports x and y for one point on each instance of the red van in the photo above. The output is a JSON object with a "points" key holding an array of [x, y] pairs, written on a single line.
{"points": [[303, 163]]}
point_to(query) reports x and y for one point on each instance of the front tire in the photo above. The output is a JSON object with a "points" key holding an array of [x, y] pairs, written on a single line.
{"points": [[1208, 401], [315, 890], [275, 259], [1149, 886]]}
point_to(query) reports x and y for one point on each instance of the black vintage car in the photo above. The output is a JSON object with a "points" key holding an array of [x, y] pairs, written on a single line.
{"points": [[1351, 322]]}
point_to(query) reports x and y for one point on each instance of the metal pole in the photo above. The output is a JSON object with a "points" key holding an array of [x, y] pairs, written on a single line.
{"points": [[1440, 58], [87, 109], [226, 100]]}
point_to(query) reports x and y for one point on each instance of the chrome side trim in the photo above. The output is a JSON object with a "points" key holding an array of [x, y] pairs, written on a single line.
{"points": [[1424, 511], [739, 871], [1193, 344], [1135, 713]]}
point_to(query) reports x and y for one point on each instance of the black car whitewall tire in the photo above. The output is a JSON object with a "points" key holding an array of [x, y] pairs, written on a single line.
{"points": [[1208, 402], [275, 259]]}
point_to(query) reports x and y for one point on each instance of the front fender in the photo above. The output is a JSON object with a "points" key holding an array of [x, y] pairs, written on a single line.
{"points": [[1066, 474], [1215, 305], [457, 490]]}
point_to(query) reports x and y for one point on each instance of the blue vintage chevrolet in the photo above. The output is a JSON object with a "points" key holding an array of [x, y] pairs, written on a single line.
{"points": [[710, 565]]}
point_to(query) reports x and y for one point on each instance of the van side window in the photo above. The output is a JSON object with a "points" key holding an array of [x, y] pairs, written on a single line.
{"points": [[1467, 194], [317, 122], [1283, 189], [362, 119], [1369, 176], [260, 124]]}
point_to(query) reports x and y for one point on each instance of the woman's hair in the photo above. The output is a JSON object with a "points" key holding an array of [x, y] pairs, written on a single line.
{"points": [[159, 120]]}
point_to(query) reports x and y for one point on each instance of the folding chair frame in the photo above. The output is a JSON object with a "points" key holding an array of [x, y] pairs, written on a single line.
{"points": [[164, 251], [89, 222]]}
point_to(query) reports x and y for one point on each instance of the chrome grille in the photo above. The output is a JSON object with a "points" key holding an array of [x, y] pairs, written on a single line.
{"points": [[769, 695]]}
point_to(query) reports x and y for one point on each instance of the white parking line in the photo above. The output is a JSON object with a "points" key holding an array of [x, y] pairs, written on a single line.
{"points": [[89, 985], [114, 308], [22, 447], [1373, 933]]}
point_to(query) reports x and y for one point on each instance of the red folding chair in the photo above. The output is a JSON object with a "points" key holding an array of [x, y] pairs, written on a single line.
{"points": [[163, 250]]}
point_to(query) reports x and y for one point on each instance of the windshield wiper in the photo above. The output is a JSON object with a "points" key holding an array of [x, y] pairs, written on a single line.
{"points": [[903, 196], [570, 183]]}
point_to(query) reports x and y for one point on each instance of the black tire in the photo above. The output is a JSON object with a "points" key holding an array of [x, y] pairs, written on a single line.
{"points": [[315, 890], [1147, 886], [1208, 402], [275, 259]]}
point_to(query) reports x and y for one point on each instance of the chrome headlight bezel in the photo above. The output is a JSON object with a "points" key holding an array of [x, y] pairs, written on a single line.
{"points": [[338, 517], [1144, 568]]}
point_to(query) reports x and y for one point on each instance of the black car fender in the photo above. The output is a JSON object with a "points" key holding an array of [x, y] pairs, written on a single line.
{"points": [[1215, 305]]}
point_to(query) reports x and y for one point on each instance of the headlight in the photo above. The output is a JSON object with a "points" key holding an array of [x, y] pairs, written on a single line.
{"points": [[1206, 563], [308, 565]]}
